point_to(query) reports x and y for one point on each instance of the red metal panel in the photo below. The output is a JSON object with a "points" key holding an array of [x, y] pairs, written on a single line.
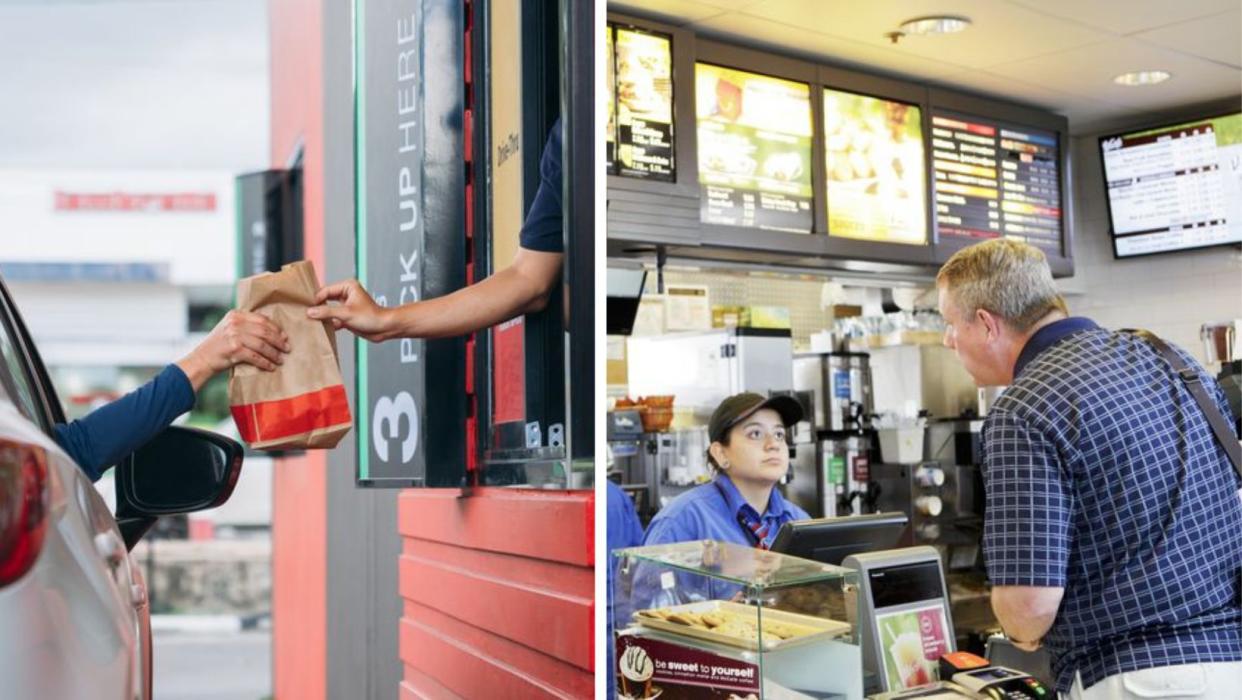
{"points": [[498, 587], [513, 597], [420, 686], [509, 371], [551, 525], [473, 663]]}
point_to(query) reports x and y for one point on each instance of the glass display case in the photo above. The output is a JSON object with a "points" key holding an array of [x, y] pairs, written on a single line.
{"points": [[707, 619]]}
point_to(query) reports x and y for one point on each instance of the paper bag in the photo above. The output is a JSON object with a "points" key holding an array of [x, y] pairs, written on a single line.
{"points": [[302, 403]]}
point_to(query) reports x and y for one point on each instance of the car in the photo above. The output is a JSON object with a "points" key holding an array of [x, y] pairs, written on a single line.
{"points": [[76, 623]]}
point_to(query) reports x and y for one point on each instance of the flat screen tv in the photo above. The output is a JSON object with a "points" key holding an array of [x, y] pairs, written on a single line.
{"points": [[1175, 187]]}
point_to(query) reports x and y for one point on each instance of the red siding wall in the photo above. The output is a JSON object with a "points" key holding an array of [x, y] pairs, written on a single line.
{"points": [[498, 590], [299, 488]]}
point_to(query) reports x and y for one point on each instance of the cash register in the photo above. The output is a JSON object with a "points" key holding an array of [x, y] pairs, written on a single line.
{"points": [[906, 631]]}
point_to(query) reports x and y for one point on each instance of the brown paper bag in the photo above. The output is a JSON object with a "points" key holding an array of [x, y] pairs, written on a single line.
{"points": [[302, 403]]}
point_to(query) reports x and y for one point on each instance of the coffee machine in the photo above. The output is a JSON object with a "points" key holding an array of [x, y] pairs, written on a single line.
{"points": [[832, 459], [1220, 345]]}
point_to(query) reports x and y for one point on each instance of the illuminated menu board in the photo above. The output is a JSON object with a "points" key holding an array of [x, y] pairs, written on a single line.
{"points": [[876, 178], [1175, 188], [610, 90], [643, 75], [754, 141], [996, 180]]}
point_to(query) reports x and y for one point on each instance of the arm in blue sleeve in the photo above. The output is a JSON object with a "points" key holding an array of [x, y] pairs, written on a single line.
{"points": [[101, 438]]}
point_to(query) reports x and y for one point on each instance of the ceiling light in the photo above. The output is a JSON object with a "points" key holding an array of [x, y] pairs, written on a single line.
{"points": [[1139, 78], [935, 24]]}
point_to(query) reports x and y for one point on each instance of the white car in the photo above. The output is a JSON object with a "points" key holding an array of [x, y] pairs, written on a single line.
{"points": [[74, 621]]}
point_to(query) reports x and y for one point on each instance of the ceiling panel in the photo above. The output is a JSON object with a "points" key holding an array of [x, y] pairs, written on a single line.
{"points": [[1089, 72], [1216, 38], [675, 12], [1127, 16], [999, 29], [781, 37]]}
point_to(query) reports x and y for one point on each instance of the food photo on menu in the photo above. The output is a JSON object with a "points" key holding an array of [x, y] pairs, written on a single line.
{"points": [[876, 177], [644, 104], [754, 136]]}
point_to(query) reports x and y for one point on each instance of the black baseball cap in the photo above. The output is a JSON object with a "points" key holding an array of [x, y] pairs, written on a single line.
{"points": [[739, 407]]}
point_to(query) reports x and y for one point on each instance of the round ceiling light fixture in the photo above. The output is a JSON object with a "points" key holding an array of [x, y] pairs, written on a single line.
{"points": [[935, 24], [1139, 78]]}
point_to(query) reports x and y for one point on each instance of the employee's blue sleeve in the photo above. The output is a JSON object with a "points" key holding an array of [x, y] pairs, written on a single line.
{"points": [[542, 230], [104, 436]]}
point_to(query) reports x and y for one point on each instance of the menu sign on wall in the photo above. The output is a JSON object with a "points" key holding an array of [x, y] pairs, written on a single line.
{"points": [[876, 181], [644, 103], [754, 140], [610, 90], [994, 180], [1176, 187]]}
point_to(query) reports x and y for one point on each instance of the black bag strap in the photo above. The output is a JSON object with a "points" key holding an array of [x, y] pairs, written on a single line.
{"points": [[1220, 427]]}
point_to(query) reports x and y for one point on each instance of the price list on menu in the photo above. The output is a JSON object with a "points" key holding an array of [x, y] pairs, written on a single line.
{"points": [[994, 180], [642, 143], [754, 137]]}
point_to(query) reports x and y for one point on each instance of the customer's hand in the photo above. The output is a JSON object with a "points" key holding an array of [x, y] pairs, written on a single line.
{"points": [[240, 337], [356, 311]]}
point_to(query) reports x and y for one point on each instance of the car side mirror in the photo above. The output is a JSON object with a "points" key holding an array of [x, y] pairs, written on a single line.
{"points": [[181, 470]]}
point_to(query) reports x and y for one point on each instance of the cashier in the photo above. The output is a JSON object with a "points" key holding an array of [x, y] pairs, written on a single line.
{"points": [[749, 454]]}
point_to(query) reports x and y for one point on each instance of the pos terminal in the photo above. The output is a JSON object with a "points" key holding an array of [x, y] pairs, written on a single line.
{"points": [[906, 633]]}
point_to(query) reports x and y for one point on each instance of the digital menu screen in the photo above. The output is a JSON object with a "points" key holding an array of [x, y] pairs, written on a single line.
{"points": [[610, 90], [644, 103], [1175, 188], [876, 181], [996, 180], [754, 143]]}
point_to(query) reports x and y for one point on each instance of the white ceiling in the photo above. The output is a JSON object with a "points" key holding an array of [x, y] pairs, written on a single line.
{"points": [[1060, 55]]}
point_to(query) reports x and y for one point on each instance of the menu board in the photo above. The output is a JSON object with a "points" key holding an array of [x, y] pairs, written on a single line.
{"points": [[996, 180], [1176, 187], [876, 178], [610, 90], [754, 140], [644, 103]]}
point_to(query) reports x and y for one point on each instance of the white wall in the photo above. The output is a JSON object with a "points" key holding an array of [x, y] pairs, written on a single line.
{"points": [[1170, 295]]}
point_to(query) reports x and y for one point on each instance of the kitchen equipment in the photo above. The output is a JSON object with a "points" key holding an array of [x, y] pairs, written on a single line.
{"points": [[702, 368], [840, 386], [1220, 341]]}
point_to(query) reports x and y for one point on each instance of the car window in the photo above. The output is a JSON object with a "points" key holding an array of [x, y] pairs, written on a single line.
{"points": [[15, 381]]}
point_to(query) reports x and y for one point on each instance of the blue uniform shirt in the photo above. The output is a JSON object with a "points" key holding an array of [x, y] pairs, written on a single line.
{"points": [[710, 512], [624, 530], [103, 437], [542, 230], [1102, 477]]}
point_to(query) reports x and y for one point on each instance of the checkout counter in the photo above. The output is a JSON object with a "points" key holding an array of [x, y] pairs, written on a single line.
{"points": [[707, 619]]}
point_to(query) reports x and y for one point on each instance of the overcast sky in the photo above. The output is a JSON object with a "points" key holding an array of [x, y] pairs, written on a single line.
{"points": [[147, 84]]}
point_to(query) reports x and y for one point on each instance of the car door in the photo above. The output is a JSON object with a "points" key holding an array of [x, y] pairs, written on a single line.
{"points": [[95, 624]]}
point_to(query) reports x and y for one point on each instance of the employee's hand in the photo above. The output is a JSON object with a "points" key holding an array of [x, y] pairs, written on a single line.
{"points": [[240, 337], [356, 311]]}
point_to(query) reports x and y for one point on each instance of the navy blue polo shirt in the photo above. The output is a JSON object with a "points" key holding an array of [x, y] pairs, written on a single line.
{"points": [[104, 436], [1102, 476], [542, 231]]}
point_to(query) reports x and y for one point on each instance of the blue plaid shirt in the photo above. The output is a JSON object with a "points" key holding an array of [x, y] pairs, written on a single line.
{"points": [[1103, 477]]}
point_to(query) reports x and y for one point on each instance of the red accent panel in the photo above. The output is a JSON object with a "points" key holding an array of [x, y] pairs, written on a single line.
{"points": [[299, 485], [273, 420], [510, 596], [470, 365], [468, 136], [469, 214], [469, 48], [551, 525], [471, 663], [498, 588], [509, 371]]}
